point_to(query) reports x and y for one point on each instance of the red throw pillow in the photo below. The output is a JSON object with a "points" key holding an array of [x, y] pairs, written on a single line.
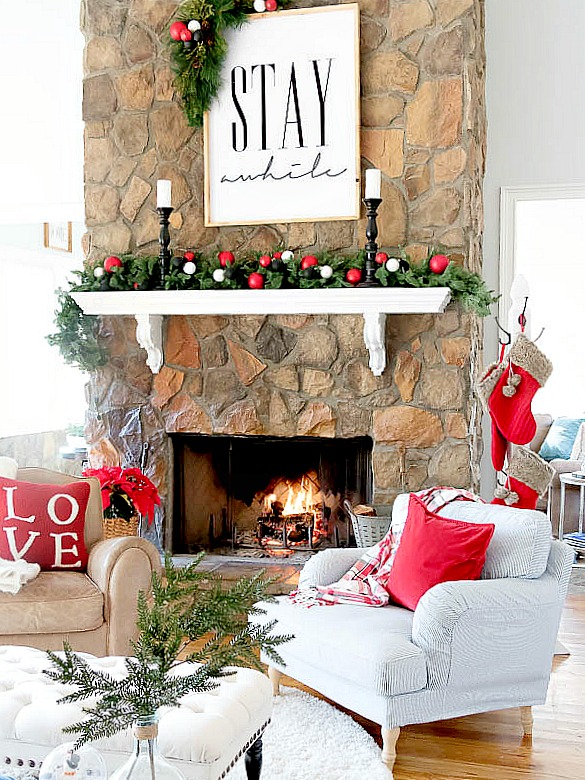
{"points": [[44, 524], [435, 549]]}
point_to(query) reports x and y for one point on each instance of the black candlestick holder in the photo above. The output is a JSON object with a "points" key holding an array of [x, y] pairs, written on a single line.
{"points": [[164, 239], [371, 248]]}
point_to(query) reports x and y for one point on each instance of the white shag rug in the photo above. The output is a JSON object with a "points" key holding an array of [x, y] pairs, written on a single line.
{"points": [[309, 739]]}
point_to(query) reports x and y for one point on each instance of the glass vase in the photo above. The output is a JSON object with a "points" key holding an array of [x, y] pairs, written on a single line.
{"points": [[145, 762]]}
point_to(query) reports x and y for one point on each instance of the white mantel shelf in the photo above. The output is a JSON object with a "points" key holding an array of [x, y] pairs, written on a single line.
{"points": [[374, 304]]}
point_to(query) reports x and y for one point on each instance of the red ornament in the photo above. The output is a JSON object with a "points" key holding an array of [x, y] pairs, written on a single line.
{"points": [[354, 275], [381, 258], [136, 285], [186, 35], [225, 258], [176, 29], [256, 281], [112, 262], [271, 5], [265, 261], [276, 255], [189, 256], [308, 261], [438, 263]]}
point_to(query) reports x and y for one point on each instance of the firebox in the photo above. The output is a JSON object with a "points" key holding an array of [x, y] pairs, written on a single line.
{"points": [[266, 495]]}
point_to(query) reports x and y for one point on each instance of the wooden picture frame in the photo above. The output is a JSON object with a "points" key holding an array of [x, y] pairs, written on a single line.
{"points": [[282, 137], [58, 236]]}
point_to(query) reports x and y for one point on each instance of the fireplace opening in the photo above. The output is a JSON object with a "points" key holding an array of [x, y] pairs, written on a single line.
{"points": [[269, 496]]}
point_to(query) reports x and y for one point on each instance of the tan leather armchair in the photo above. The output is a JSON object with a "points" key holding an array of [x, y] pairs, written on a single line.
{"points": [[94, 612]]}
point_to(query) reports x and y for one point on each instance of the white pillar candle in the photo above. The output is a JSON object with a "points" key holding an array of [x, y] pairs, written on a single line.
{"points": [[163, 194], [373, 183]]}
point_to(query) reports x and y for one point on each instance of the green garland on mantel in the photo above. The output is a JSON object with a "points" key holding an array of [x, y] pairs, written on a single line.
{"points": [[75, 334]]}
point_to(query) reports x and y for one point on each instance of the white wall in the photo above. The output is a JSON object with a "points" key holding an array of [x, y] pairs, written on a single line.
{"points": [[41, 134], [536, 115]]}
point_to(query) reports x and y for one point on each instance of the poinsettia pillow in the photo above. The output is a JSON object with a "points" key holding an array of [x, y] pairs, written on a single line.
{"points": [[44, 524]]}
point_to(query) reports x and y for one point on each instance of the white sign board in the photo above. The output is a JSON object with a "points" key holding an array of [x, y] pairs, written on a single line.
{"points": [[281, 139]]}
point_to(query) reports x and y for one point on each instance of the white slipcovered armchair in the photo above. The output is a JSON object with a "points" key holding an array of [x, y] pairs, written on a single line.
{"points": [[470, 646]]}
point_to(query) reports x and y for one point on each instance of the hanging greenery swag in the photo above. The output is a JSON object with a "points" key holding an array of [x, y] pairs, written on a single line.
{"points": [[76, 333], [198, 47]]}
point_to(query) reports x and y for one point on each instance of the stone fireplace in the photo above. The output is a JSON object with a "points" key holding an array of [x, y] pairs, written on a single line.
{"points": [[289, 376], [265, 494]]}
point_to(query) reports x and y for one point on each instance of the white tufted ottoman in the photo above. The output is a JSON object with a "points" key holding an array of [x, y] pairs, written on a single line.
{"points": [[203, 737]]}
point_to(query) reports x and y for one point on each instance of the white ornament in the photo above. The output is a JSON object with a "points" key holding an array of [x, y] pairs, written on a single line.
{"points": [[189, 268], [218, 275], [392, 264], [194, 25], [259, 6], [326, 272], [287, 255], [98, 272]]}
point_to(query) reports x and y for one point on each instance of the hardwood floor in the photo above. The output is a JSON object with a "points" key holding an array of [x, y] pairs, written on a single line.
{"points": [[490, 746]]}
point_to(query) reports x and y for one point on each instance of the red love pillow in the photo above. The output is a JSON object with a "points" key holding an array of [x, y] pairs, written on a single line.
{"points": [[44, 524], [434, 549]]}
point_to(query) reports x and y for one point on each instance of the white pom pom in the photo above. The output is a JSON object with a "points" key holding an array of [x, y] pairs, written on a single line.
{"points": [[218, 275], [392, 264], [259, 6], [326, 272], [189, 268], [98, 272], [287, 255], [194, 25]]}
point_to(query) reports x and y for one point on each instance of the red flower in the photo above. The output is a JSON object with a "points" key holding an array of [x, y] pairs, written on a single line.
{"points": [[125, 492]]}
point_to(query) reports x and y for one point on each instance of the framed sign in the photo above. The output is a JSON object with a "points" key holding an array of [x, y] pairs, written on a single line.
{"points": [[58, 235], [282, 137]]}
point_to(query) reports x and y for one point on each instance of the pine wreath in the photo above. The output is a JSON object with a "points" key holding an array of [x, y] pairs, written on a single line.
{"points": [[198, 48]]}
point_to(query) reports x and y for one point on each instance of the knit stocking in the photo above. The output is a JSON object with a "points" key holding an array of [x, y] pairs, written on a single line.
{"points": [[528, 478], [526, 370], [485, 388]]}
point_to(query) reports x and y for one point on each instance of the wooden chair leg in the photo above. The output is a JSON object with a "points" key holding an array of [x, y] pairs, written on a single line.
{"points": [[526, 720], [389, 739], [274, 676]]}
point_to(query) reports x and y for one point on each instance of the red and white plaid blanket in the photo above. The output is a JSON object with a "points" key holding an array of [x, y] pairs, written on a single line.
{"points": [[362, 584]]}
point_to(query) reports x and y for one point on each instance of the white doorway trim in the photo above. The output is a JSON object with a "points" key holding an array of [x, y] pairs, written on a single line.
{"points": [[509, 198]]}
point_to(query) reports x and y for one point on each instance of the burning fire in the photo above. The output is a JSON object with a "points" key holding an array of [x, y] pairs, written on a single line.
{"points": [[292, 513], [301, 500]]}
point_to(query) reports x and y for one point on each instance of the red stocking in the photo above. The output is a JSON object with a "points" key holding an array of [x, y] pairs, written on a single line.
{"points": [[528, 478], [510, 401]]}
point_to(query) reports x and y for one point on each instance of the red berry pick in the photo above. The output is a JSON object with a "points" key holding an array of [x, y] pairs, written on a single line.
{"points": [[256, 281], [438, 263], [265, 261], [381, 258], [112, 262], [176, 29], [189, 256], [308, 261], [354, 275], [225, 258]]}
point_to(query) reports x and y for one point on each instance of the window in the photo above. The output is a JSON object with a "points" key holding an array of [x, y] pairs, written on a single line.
{"points": [[542, 241], [37, 392]]}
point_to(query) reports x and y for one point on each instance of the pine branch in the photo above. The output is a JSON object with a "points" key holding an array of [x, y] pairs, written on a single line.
{"points": [[186, 604]]}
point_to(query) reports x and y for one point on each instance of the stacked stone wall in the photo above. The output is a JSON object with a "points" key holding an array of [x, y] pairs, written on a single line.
{"points": [[423, 125]]}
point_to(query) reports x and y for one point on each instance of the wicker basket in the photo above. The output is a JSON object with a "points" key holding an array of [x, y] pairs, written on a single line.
{"points": [[117, 526], [367, 530]]}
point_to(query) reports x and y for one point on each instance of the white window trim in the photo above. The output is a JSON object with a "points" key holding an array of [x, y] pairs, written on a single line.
{"points": [[509, 199]]}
